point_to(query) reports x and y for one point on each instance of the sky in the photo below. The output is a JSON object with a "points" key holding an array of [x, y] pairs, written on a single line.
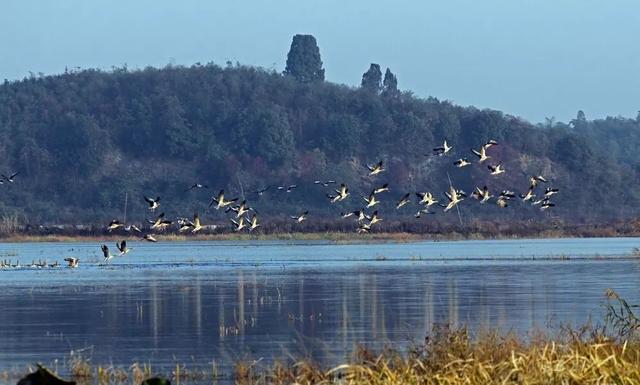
{"points": [[533, 59]]}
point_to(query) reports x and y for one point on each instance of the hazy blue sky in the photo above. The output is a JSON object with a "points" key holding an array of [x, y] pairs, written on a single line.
{"points": [[533, 59]]}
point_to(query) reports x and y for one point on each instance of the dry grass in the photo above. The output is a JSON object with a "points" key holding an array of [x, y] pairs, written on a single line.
{"points": [[453, 357]]}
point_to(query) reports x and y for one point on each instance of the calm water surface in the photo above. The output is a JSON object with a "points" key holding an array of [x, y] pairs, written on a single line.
{"points": [[200, 302]]}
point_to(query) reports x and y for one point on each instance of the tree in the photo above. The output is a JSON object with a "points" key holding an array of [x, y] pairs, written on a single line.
{"points": [[303, 61], [390, 83], [372, 79]]}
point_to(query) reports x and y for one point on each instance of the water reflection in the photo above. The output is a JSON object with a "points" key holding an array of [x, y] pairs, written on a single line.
{"points": [[199, 315]]}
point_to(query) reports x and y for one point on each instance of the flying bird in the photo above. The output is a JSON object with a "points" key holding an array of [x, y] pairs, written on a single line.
{"points": [[262, 190], [300, 218], [548, 192], [426, 199], [122, 247], [461, 162], [239, 223], [196, 185], [483, 195], [105, 252], [422, 211], [535, 179], [153, 203], [371, 201], [381, 189], [287, 188], [454, 196], [482, 154], [10, 177], [220, 201], [403, 201], [160, 223], [253, 223], [341, 194], [528, 196], [114, 224], [496, 170], [376, 168], [443, 150], [325, 183], [149, 238]]}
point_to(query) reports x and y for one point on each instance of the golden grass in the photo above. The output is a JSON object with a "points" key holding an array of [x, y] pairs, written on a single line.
{"points": [[453, 358]]}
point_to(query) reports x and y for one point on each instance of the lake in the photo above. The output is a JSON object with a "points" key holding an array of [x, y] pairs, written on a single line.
{"points": [[204, 302]]}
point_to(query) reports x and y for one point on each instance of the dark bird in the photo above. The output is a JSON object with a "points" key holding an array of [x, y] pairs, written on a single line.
{"points": [[262, 190], [325, 183], [10, 177], [105, 252], [287, 188], [153, 203], [122, 247], [197, 185]]}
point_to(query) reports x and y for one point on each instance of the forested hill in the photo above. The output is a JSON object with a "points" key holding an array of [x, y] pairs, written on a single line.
{"points": [[81, 140]]}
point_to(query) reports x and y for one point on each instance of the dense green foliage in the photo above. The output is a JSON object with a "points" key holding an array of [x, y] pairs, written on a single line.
{"points": [[83, 139], [303, 60]]}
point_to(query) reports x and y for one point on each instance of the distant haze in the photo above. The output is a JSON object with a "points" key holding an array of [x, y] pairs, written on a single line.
{"points": [[533, 59]]}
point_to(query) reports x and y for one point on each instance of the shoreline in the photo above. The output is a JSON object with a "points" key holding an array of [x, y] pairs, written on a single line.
{"points": [[330, 237]]}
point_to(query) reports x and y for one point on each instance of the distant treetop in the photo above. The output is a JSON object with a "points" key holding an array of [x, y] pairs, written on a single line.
{"points": [[303, 61]]}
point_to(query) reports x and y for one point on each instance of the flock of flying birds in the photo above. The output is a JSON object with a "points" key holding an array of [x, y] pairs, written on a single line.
{"points": [[244, 217]]}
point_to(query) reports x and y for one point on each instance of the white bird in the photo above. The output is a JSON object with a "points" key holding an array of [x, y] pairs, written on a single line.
{"points": [[496, 170], [422, 211], [160, 223], [220, 201], [482, 154], [403, 201], [253, 222], [374, 219], [363, 228], [149, 238], [442, 150], [376, 168], [114, 224], [287, 188], [300, 218], [153, 203], [72, 262], [502, 201], [426, 199], [490, 143], [528, 196], [241, 209], [535, 179], [342, 194], [461, 162], [548, 192], [381, 189], [546, 204], [483, 195], [196, 185], [197, 226], [454, 197], [325, 183], [131, 228], [239, 223], [371, 201]]}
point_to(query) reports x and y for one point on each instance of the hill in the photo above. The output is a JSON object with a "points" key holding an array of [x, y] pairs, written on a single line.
{"points": [[81, 140]]}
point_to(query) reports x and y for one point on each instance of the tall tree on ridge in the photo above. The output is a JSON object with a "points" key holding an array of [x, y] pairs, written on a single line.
{"points": [[303, 61]]}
